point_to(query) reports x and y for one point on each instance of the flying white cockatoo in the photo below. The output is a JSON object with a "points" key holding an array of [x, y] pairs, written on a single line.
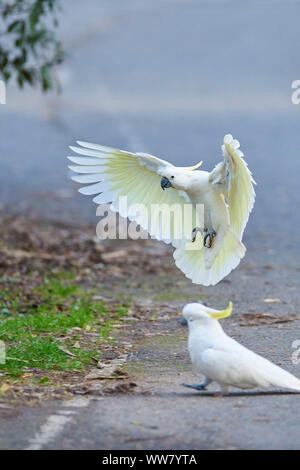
{"points": [[226, 193], [221, 359]]}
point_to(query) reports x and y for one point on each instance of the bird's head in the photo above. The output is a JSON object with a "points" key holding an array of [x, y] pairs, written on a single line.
{"points": [[177, 177], [174, 178], [197, 314]]}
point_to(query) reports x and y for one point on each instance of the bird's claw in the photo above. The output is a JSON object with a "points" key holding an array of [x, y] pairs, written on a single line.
{"points": [[198, 387], [194, 233], [208, 238]]}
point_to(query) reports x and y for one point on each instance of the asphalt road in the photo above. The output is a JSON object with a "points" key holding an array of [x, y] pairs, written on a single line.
{"points": [[171, 78]]}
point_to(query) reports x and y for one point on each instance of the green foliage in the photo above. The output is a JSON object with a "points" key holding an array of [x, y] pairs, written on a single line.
{"points": [[43, 353], [39, 339], [29, 50]]}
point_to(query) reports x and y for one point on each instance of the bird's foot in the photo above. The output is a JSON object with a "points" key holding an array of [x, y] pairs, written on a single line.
{"points": [[195, 231], [209, 237], [196, 387]]}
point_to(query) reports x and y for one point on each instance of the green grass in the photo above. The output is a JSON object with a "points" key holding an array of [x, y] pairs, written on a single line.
{"points": [[33, 339], [8, 302]]}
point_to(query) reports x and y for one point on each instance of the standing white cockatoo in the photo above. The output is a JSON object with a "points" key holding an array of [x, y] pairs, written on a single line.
{"points": [[221, 359], [226, 193]]}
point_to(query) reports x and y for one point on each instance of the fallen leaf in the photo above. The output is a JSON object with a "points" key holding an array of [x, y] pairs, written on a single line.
{"points": [[19, 253], [256, 319], [66, 351], [114, 255], [106, 373], [4, 388], [6, 407], [270, 301], [109, 370], [117, 362]]}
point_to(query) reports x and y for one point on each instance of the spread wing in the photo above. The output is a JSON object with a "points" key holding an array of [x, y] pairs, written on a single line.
{"points": [[131, 183], [233, 178], [233, 181]]}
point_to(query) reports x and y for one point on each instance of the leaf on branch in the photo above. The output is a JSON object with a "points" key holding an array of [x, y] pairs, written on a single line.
{"points": [[33, 42]]}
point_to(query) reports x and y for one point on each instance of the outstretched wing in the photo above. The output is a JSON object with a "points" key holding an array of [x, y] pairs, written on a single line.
{"points": [[233, 178], [113, 174]]}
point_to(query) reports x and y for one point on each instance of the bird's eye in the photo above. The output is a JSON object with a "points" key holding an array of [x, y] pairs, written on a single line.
{"points": [[172, 177], [191, 319]]}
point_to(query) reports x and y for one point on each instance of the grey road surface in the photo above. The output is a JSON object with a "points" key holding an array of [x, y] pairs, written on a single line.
{"points": [[171, 77]]}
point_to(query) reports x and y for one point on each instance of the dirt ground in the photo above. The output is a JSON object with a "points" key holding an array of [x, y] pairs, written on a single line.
{"points": [[147, 356], [30, 251]]}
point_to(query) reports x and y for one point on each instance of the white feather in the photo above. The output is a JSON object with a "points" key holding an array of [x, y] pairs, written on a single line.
{"points": [[85, 160], [101, 148], [92, 189], [93, 178], [116, 173], [90, 153], [85, 169], [222, 359]]}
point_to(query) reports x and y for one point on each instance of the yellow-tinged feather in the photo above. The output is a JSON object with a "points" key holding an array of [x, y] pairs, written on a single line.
{"points": [[129, 175], [241, 194], [218, 315], [191, 168]]}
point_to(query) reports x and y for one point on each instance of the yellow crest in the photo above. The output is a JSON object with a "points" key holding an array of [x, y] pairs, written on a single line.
{"points": [[191, 168], [221, 313]]}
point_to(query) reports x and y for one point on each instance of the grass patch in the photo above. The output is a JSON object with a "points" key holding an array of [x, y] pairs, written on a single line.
{"points": [[54, 332]]}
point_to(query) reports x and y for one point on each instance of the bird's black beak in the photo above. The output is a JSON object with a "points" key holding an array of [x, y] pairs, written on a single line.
{"points": [[183, 322], [165, 183]]}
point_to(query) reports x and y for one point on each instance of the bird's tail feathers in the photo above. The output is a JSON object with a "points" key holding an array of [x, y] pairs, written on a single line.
{"points": [[207, 266], [268, 374], [284, 379]]}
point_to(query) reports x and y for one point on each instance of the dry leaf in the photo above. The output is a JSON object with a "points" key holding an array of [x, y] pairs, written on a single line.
{"points": [[256, 319], [117, 362], [4, 388], [107, 373], [19, 253], [66, 351], [114, 255], [109, 370]]}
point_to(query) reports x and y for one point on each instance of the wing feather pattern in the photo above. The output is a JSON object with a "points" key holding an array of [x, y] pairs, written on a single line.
{"points": [[111, 173], [234, 179]]}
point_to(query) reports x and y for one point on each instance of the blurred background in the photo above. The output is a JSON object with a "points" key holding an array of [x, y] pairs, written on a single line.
{"points": [[167, 77], [170, 78]]}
